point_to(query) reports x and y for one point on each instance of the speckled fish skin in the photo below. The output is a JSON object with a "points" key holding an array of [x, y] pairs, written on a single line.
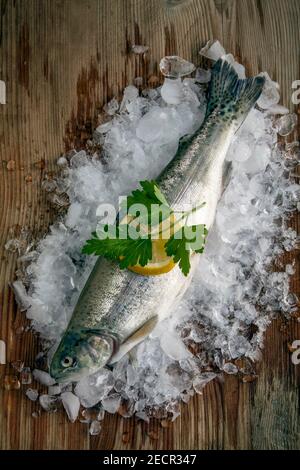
{"points": [[115, 303]]}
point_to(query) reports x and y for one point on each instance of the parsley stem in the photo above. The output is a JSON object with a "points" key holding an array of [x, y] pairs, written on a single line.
{"points": [[184, 216]]}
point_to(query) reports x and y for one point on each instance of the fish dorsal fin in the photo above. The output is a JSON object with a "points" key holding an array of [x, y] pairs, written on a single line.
{"points": [[137, 337]]}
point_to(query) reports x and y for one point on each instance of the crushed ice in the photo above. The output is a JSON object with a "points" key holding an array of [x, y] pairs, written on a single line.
{"points": [[234, 293]]}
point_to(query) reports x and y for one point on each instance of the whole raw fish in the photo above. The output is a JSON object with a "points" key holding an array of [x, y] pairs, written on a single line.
{"points": [[118, 308]]}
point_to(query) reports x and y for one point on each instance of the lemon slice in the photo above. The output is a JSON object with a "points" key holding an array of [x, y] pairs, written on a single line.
{"points": [[160, 263]]}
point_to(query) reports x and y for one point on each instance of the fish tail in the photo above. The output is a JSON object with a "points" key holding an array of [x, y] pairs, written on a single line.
{"points": [[230, 98]]}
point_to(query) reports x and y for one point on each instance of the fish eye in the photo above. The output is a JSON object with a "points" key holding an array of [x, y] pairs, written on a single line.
{"points": [[68, 361]]}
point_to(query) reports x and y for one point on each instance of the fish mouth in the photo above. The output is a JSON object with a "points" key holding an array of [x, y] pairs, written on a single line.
{"points": [[68, 376]]}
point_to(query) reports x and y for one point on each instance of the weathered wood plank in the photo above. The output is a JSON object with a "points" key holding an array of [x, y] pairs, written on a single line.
{"points": [[61, 60]]}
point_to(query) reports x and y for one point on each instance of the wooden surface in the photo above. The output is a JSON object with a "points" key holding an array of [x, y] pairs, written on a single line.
{"points": [[61, 60]]}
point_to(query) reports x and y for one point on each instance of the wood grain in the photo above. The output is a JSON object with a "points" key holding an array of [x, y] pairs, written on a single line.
{"points": [[61, 61]]}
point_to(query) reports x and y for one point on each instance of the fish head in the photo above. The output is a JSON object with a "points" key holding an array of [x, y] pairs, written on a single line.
{"points": [[80, 354]]}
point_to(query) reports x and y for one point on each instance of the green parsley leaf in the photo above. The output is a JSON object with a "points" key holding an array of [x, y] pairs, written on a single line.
{"points": [[179, 247], [152, 199], [127, 252]]}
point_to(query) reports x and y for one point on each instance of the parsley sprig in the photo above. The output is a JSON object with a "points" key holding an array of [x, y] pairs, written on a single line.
{"points": [[110, 242]]}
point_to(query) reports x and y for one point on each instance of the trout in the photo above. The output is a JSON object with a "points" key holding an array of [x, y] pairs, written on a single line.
{"points": [[118, 308]]}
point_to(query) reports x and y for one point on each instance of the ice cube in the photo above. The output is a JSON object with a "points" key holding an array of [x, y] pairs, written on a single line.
{"points": [[172, 91], [23, 300], [111, 107], [104, 128], [203, 75], [175, 67], [32, 394], [92, 389], [112, 403], [230, 368], [213, 50], [159, 124], [54, 390], [203, 379], [62, 161], [43, 377], [95, 428], [2, 352], [138, 49], [48, 403], [71, 404], [277, 109], [74, 214], [101, 415], [12, 245], [49, 185], [239, 151], [130, 93], [270, 95], [173, 346], [286, 124], [143, 416]]}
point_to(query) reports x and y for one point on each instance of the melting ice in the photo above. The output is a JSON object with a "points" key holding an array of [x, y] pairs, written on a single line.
{"points": [[234, 293]]}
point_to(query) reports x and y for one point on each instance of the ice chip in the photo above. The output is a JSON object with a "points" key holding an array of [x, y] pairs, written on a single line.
{"points": [[79, 159], [270, 95], [138, 49], [173, 346], [62, 161], [22, 298], [286, 124], [48, 403], [159, 124], [104, 128], [277, 109], [95, 428], [43, 377], [203, 379], [32, 394], [2, 352], [203, 75], [131, 93], [92, 389], [111, 107], [71, 404], [112, 403], [54, 390], [175, 67], [230, 368], [213, 50], [172, 91]]}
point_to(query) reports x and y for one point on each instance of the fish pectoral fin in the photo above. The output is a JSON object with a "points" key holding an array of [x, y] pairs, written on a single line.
{"points": [[137, 337]]}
